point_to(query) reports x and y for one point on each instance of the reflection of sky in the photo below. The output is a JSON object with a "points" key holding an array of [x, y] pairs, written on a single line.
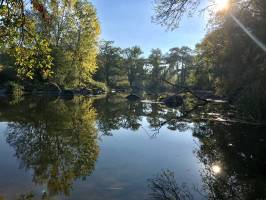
{"points": [[13, 180], [128, 158], [126, 161]]}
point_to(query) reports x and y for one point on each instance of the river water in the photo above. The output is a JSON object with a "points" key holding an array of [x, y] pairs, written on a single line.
{"points": [[110, 148]]}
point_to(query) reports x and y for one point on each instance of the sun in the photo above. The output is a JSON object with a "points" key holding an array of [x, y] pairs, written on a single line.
{"points": [[216, 169], [221, 5]]}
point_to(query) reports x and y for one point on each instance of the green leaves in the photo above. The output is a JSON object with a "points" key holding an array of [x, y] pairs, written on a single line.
{"points": [[34, 62], [51, 40]]}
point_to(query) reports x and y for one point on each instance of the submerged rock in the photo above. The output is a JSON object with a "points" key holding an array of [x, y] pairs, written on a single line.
{"points": [[133, 97], [173, 101]]}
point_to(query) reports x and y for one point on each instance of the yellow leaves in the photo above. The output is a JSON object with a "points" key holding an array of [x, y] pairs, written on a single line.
{"points": [[34, 61], [74, 48]]}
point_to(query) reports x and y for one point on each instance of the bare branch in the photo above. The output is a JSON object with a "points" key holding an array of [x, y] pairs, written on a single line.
{"points": [[170, 12]]}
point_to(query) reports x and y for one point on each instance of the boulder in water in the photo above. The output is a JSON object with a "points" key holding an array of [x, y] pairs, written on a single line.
{"points": [[173, 101], [133, 97]]}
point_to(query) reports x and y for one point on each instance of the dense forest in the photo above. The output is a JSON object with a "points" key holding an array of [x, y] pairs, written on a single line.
{"points": [[44, 43]]}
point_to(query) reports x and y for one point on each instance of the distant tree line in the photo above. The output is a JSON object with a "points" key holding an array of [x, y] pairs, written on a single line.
{"points": [[129, 69], [57, 41]]}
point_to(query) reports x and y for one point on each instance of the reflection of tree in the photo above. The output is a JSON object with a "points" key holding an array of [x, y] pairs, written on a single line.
{"points": [[28, 196], [234, 163], [164, 187], [57, 140], [115, 112], [160, 116], [154, 116], [239, 152]]}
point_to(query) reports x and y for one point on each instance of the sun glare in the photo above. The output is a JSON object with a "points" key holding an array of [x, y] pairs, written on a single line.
{"points": [[221, 5], [216, 169]]}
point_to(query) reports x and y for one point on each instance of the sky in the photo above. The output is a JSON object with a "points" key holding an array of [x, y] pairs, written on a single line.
{"points": [[128, 23]]}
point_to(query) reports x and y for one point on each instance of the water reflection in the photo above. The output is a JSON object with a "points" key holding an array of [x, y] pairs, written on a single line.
{"points": [[234, 160], [58, 142], [115, 112], [164, 186]]}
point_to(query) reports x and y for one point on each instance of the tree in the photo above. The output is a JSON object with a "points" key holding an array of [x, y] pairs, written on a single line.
{"points": [[180, 62], [134, 65], [170, 12], [74, 38], [228, 60], [109, 62], [235, 61], [155, 61], [51, 40], [21, 39]]}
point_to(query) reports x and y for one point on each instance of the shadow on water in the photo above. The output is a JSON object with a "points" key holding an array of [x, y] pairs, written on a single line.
{"points": [[58, 141]]}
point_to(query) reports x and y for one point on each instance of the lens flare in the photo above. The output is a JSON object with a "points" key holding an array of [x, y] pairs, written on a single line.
{"points": [[249, 33], [221, 5], [216, 169]]}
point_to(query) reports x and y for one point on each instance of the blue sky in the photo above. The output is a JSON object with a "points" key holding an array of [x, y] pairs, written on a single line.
{"points": [[128, 23]]}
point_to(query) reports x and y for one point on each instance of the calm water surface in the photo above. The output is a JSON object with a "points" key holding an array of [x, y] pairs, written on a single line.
{"points": [[109, 148]]}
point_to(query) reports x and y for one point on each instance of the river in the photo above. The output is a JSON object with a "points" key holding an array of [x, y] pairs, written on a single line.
{"points": [[110, 148]]}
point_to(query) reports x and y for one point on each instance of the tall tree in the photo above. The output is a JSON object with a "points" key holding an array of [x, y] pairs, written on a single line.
{"points": [[179, 61], [134, 64], [50, 39], [75, 44], [155, 60], [109, 62]]}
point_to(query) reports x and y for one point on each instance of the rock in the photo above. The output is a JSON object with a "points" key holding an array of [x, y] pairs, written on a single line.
{"points": [[173, 101], [133, 97], [67, 94]]}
